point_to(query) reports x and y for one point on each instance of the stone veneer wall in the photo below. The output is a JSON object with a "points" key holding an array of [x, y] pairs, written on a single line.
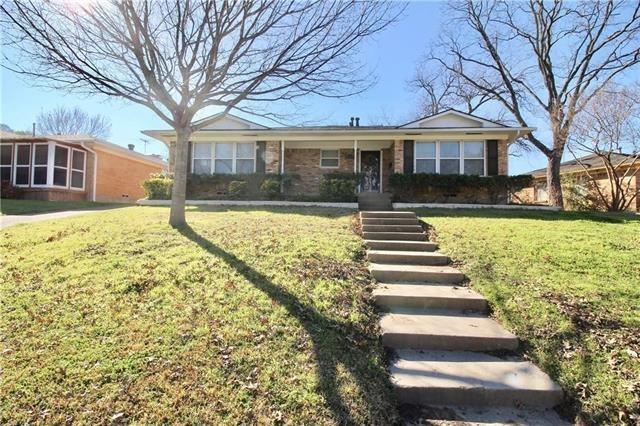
{"points": [[398, 156], [272, 157]]}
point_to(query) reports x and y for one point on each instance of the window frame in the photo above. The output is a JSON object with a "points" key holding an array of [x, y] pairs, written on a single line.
{"points": [[322, 157], [234, 155], [28, 166], [434, 158], [10, 165], [46, 166], [461, 157], [52, 160], [71, 169]]}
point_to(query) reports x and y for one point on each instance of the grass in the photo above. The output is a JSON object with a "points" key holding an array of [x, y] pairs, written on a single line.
{"points": [[245, 316], [568, 285], [20, 207]]}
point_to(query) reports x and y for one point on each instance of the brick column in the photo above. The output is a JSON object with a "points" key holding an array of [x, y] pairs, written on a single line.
{"points": [[398, 156], [272, 157], [503, 157]]}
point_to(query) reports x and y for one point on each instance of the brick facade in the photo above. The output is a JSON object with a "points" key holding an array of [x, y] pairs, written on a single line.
{"points": [[503, 158], [398, 156], [119, 179], [272, 157], [305, 163]]}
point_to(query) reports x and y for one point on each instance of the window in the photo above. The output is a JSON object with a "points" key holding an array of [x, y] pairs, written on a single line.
{"points": [[245, 157], [425, 157], [202, 158], [474, 158], [21, 168], [60, 166], [40, 161], [329, 158], [6, 154], [78, 159], [450, 157], [224, 158]]}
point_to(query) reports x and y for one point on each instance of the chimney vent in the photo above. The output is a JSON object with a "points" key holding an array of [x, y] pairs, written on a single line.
{"points": [[357, 121], [131, 147], [351, 122]]}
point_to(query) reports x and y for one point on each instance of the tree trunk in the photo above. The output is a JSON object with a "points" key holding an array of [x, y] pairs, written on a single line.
{"points": [[554, 186], [172, 156], [178, 194]]}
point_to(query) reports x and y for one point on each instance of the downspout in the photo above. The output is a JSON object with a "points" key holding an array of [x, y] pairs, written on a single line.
{"points": [[95, 169]]}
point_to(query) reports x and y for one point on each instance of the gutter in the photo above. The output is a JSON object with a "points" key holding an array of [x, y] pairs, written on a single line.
{"points": [[95, 169]]}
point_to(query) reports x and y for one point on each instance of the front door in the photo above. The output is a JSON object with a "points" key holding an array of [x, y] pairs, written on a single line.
{"points": [[370, 169]]}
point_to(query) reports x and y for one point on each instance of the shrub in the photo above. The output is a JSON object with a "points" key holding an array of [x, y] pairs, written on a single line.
{"points": [[339, 186], [426, 187], [270, 188], [238, 188], [158, 187], [9, 191], [217, 186]]}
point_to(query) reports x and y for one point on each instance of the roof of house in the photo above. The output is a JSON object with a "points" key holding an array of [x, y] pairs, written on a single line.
{"points": [[591, 161], [85, 142], [445, 122]]}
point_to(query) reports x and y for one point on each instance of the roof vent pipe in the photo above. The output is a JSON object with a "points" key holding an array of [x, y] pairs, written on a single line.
{"points": [[357, 121], [132, 147], [351, 122]]}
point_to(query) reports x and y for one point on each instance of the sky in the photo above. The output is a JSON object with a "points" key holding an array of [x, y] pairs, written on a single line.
{"points": [[393, 55]]}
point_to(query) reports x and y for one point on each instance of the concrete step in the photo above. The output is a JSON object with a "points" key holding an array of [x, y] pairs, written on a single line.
{"points": [[464, 378], [389, 221], [467, 415], [387, 214], [439, 331], [425, 296], [407, 257], [398, 236], [401, 245], [389, 273], [392, 228]]}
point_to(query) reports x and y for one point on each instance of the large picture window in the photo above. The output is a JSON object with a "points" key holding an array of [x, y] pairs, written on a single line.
{"points": [[22, 162], [60, 166], [224, 157], [329, 158], [6, 162], [450, 157]]}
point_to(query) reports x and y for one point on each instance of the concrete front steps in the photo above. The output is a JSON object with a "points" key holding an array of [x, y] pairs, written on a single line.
{"points": [[439, 327]]}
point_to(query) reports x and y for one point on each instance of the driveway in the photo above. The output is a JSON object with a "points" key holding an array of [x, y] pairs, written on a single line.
{"points": [[10, 220]]}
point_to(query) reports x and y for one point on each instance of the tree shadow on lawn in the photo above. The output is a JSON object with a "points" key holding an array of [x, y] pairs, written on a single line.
{"points": [[333, 343], [603, 217]]}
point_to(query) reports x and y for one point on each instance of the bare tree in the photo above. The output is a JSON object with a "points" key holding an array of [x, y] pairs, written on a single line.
{"points": [[180, 57], [73, 121], [537, 58], [605, 128]]}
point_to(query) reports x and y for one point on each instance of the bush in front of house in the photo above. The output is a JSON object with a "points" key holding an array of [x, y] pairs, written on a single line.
{"points": [[218, 186], [238, 189], [158, 186], [270, 188], [431, 188], [339, 186]]}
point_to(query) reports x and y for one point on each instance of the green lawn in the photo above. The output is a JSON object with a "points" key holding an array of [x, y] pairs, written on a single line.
{"points": [[569, 286], [246, 316], [19, 207]]}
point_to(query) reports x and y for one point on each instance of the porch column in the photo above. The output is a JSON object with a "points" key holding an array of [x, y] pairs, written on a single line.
{"points": [[282, 156], [355, 156]]}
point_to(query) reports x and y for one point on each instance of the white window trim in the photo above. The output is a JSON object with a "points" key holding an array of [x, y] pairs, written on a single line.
{"points": [[460, 157], [53, 165], [329, 158], [71, 169], [234, 156], [10, 165], [28, 166], [33, 166]]}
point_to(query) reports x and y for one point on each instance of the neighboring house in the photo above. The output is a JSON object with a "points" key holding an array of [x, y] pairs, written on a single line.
{"points": [[537, 194], [450, 142], [74, 168]]}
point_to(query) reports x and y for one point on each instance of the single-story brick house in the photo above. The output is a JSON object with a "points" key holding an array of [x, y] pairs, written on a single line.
{"points": [[537, 193], [74, 168], [450, 142]]}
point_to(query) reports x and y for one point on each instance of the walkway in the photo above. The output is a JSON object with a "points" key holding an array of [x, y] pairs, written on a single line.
{"points": [[10, 220], [448, 351]]}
